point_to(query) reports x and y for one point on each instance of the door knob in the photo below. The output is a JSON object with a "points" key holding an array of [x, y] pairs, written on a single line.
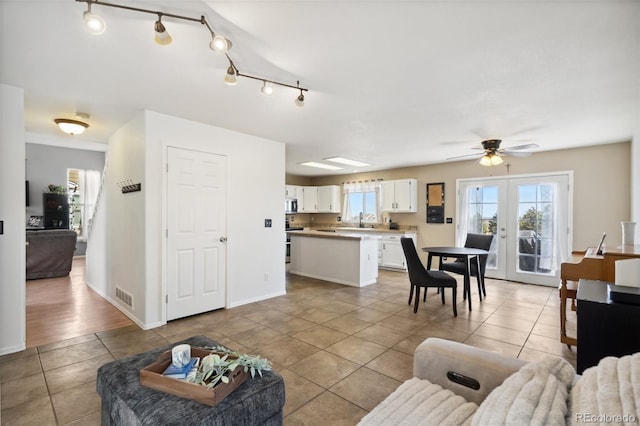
{"points": [[223, 239], [503, 236]]}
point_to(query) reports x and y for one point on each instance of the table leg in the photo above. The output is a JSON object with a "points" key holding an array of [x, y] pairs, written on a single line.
{"points": [[467, 280], [479, 278]]}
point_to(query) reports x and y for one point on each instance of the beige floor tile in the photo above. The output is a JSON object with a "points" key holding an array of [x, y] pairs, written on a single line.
{"points": [[546, 330], [288, 351], [73, 375], [22, 354], [319, 315], [365, 388], [389, 307], [460, 324], [507, 335], [320, 336], [267, 317], [356, 349], [71, 354], [324, 369], [394, 364], [399, 323], [93, 419], [439, 331], [347, 324], [409, 345], [259, 336], [368, 314], [19, 367], [382, 335], [122, 341], [76, 403], [292, 325], [298, 390], [67, 342], [35, 412], [22, 390], [136, 348], [510, 322], [326, 409], [551, 345]]}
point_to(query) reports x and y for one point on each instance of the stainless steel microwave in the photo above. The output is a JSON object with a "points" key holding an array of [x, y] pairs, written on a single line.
{"points": [[291, 205]]}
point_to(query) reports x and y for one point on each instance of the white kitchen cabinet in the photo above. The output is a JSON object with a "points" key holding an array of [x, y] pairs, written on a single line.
{"points": [[328, 199], [400, 196], [291, 191], [308, 202], [392, 253]]}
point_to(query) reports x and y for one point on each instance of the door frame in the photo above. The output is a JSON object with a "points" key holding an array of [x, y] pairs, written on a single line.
{"points": [[165, 222], [506, 178]]}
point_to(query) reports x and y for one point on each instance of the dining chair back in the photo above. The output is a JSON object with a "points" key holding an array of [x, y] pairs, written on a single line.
{"points": [[478, 241], [420, 277]]}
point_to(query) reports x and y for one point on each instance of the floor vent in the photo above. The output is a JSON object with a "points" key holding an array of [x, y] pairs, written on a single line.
{"points": [[124, 297]]}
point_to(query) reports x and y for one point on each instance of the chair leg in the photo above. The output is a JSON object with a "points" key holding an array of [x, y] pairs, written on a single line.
{"points": [[415, 306], [411, 294], [455, 308], [424, 298], [442, 294]]}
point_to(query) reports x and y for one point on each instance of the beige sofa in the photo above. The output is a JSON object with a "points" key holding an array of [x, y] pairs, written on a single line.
{"points": [[456, 384]]}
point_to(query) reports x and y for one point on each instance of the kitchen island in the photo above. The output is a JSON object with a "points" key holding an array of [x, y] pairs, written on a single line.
{"points": [[342, 257]]}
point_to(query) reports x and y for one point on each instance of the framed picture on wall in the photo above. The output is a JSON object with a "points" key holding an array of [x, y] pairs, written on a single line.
{"points": [[35, 222]]}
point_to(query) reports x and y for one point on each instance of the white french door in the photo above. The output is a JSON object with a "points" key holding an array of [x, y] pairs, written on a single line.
{"points": [[196, 234], [529, 217]]}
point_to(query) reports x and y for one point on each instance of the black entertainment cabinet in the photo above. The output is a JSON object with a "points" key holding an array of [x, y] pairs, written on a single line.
{"points": [[56, 210], [605, 328]]}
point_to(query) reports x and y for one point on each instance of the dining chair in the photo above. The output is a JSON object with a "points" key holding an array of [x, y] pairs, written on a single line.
{"points": [[421, 277], [478, 241]]}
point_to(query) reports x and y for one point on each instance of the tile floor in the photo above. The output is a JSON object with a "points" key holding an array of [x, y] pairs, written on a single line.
{"points": [[341, 350]]}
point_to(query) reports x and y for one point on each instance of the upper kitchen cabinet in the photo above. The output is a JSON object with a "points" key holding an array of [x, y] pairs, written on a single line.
{"points": [[328, 199], [308, 199], [400, 196], [291, 191]]}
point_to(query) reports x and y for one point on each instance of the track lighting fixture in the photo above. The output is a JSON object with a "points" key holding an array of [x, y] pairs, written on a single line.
{"points": [[218, 43], [267, 89], [92, 22], [231, 78], [162, 36]]}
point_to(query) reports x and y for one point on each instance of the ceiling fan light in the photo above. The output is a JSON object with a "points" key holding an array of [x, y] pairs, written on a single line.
{"points": [[496, 160], [94, 23], [485, 160], [162, 36], [71, 127], [231, 79]]}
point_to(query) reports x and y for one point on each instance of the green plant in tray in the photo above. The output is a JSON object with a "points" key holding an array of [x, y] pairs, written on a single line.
{"points": [[218, 366]]}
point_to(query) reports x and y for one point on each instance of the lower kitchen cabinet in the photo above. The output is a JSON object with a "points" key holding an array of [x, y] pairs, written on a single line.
{"points": [[392, 253]]}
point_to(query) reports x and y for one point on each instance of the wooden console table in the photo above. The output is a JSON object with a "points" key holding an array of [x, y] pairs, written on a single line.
{"points": [[605, 328]]}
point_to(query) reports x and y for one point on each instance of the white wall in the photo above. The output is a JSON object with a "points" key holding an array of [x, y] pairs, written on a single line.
{"points": [[136, 221], [12, 210], [255, 254]]}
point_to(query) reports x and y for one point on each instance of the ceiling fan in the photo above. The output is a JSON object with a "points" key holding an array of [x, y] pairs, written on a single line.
{"points": [[492, 155]]}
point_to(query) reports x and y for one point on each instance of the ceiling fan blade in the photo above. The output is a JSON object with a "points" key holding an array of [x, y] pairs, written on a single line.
{"points": [[457, 157], [521, 147], [518, 153]]}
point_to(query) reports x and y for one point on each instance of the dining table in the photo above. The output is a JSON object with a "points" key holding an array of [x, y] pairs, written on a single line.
{"points": [[466, 254]]}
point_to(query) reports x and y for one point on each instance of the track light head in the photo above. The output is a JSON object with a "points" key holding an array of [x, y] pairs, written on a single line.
{"points": [[92, 22], [300, 100], [267, 88], [162, 36], [219, 44], [231, 78]]}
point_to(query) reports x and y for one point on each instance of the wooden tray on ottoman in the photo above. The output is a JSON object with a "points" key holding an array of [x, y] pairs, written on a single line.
{"points": [[151, 376]]}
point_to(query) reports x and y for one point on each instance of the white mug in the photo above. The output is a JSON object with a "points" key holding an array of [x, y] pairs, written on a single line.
{"points": [[181, 355]]}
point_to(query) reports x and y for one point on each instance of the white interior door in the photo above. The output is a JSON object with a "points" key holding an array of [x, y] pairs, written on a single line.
{"points": [[196, 232], [529, 218]]}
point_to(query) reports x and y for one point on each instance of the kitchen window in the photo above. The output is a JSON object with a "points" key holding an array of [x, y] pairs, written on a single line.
{"points": [[361, 197]]}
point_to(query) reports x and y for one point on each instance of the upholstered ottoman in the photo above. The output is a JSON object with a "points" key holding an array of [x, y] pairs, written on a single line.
{"points": [[257, 401]]}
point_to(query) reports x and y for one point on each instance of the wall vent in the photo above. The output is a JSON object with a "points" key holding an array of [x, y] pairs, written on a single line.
{"points": [[124, 297]]}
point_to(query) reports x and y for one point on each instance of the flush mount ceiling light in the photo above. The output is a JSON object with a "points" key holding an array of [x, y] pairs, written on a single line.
{"points": [[320, 165], [71, 127], [218, 43], [347, 161]]}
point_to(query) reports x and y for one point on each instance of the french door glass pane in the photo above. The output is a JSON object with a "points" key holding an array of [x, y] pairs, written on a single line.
{"points": [[536, 228], [483, 216]]}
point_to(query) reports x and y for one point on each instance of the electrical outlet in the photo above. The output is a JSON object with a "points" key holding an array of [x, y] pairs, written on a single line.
{"points": [[267, 223]]}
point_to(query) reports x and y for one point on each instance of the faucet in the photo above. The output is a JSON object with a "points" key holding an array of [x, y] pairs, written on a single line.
{"points": [[361, 220]]}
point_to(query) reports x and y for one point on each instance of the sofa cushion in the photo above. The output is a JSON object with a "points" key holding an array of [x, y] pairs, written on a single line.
{"points": [[608, 392], [535, 395], [420, 402]]}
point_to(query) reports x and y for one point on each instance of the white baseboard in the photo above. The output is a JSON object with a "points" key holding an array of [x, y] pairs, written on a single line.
{"points": [[256, 299], [12, 349]]}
